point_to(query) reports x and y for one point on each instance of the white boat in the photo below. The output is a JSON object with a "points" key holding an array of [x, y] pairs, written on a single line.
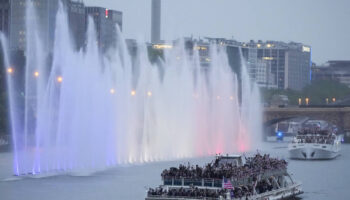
{"points": [[315, 147]]}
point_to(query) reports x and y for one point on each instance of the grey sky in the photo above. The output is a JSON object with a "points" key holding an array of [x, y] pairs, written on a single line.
{"points": [[323, 24]]}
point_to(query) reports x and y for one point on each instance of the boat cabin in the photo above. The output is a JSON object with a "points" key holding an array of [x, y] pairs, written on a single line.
{"points": [[235, 160]]}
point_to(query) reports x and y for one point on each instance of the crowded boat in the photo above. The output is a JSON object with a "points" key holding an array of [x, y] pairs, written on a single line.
{"points": [[228, 177], [315, 143]]}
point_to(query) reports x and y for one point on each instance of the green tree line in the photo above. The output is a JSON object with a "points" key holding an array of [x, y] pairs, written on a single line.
{"points": [[317, 93]]}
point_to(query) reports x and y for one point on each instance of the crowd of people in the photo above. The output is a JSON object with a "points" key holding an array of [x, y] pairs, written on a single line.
{"points": [[315, 135], [192, 192], [315, 130], [259, 164]]}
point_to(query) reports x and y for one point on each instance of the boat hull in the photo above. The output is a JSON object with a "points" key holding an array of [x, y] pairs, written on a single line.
{"points": [[313, 151], [288, 192]]}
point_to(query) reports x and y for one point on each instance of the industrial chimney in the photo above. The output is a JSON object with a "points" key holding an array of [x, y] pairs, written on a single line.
{"points": [[156, 20]]}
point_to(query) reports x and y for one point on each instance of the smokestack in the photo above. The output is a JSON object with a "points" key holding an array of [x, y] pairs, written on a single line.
{"points": [[156, 20]]}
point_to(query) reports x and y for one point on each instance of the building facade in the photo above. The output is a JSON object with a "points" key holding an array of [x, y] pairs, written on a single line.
{"points": [[13, 22], [335, 70], [271, 64], [5, 16], [106, 22], [274, 64], [45, 17], [76, 19]]}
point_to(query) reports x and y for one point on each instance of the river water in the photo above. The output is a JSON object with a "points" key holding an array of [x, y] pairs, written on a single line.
{"points": [[321, 179]]}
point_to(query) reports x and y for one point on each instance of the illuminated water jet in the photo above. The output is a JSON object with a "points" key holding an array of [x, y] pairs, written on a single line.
{"points": [[86, 111]]}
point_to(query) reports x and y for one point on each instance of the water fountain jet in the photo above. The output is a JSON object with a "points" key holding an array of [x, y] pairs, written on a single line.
{"points": [[87, 111]]}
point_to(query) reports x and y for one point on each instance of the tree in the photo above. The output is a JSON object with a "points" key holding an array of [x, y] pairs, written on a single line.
{"points": [[317, 92]]}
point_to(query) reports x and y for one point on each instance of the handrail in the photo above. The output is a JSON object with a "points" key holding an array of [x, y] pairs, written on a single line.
{"points": [[235, 181]]}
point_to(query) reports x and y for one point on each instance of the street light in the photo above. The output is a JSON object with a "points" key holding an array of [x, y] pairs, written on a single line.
{"points": [[299, 101], [112, 91], [333, 99], [307, 101], [36, 74], [10, 70], [133, 92], [59, 79], [149, 93]]}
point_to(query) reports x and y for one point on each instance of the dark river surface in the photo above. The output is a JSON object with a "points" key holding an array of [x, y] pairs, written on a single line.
{"points": [[329, 179]]}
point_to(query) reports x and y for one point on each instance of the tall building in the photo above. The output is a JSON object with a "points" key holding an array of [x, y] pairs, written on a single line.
{"points": [[106, 22], [5, 16], [46, 12], [156, 21], [45, 17], [275, 64], [13, 21], [76, 19], [336, 70]]}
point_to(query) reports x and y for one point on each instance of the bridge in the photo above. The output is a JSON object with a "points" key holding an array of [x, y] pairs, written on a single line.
{"points": [[339, 116]]}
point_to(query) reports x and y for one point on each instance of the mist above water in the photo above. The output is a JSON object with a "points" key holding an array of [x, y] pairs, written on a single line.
{"points": [[87, 111]]}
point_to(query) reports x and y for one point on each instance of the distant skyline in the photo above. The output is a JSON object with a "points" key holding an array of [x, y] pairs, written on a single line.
{"points": [[322, 24]]}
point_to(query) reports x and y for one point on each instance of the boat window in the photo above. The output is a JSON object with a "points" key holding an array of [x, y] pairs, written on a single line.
{"points": [[208, 182], [217, 183], [168, 181], [195, 182], [283, 127], [177, 182]]}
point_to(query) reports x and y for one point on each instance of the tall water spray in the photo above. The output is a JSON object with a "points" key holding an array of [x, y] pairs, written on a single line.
{"points": [[84, 110]]}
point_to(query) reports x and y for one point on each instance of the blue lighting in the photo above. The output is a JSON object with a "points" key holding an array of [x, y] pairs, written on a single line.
{"points": [[279, 134]]}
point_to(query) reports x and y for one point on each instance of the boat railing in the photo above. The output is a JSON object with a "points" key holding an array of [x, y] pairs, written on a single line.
{"points": [[217, 183], [170, 181], [157, 197]]}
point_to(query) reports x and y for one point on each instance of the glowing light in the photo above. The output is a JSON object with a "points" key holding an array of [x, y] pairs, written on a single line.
{"points": [[231, 98], [162, 46], [306, 49], [307, 101], [200, 48], [279, 134], [299, 101], [106, 13], [327, 100], [112, 91], [10, 70], [133, 92], [149, 93], [36, 74], [333, 99], [207, 59], [268, 45], [267, 58], [258, 45], [59, 79]]}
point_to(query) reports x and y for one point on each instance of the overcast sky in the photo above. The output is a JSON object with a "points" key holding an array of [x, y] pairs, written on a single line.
{"points": [[323, 24]]}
